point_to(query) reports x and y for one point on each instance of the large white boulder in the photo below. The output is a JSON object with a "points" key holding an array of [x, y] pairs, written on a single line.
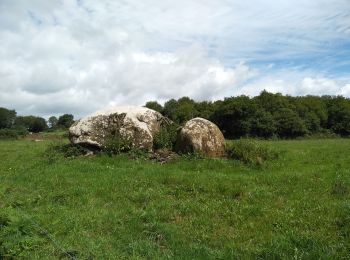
{"points": [[202, 136], [137, 124]]}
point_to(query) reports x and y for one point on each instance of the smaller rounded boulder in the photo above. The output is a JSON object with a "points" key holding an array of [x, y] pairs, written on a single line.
{"points": [[202, 136]]}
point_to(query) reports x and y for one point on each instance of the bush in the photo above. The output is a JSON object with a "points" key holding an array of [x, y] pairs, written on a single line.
{"points": [[56, 151], [250, 152], [323, 134], [12, 134], [116, 144], [166, 137]]}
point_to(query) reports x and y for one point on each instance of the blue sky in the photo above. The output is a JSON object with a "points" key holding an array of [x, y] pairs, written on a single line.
{"points": [[78, 56]]}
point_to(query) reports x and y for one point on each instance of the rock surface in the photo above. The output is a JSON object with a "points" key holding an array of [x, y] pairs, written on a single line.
{"points": [[201, 135], [137, 124]]}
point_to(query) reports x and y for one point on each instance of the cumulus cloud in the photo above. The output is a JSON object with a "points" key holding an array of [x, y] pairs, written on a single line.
{"points": [[77, 56]]}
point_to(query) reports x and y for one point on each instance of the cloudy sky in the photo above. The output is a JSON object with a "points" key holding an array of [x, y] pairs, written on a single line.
{"points": [[76, 56]]}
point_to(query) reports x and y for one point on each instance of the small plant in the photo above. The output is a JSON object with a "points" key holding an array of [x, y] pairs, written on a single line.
{"points": [[55, 151], [339, 188], [116, 144], [166, 137], [138, 154], [17, 235], [250, 152]]}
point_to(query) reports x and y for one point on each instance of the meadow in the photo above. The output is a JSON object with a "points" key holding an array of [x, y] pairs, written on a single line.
{"points": [[102, 207]]}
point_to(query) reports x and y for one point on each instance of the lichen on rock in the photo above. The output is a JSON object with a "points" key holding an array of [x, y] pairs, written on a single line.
{"points": [[202, 136], [136, 124]]}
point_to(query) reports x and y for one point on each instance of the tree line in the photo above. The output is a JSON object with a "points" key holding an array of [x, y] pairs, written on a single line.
{"points": [[11, 121], [267, 115]]}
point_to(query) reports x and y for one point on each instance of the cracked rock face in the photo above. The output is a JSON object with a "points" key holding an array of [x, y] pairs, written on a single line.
{"points": [[201, 135], [137, 124]]}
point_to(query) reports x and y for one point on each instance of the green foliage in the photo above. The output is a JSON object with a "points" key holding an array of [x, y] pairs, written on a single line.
{"points": [[7, 117], [234, 116], [166, 137], [65, 121], [31, 123], [181, 110], [342, 221], [138, 154], [17, 235], [52, 122], [12, 133], [116, 144], [56, 151], [250, 152], [267, 115], [289, 124], [339, 115], [155, 106], [8, 134], [263, 125]]}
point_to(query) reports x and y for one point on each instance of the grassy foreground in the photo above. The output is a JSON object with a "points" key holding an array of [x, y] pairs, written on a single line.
{"points": [[297, 206]]}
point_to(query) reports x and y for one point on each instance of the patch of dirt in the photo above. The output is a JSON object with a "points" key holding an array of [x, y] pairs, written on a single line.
{"points": [[163, 156], [36, 137]]}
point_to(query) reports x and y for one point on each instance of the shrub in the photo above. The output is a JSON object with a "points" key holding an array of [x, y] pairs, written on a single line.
{"points": [[55, 151], [11, 134], [72, 150], [166, 137], [116, 144], [138, 154], [323, 134], [8, 134], [250, 152]]}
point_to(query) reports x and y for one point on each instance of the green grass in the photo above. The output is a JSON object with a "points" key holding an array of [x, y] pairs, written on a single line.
{"points": [[295, 207]]}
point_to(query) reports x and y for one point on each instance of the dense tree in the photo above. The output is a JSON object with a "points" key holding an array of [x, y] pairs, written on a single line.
{"points": [[271, 102], [7, 118], [234, 116], [289, 124], [263, 124], [155, 106], [339, 115], [65, 121], [268, 114], [180, 110], [186, 109], [205, 109], [170, 110], [31, 123], [265, 115], [52, 121]]}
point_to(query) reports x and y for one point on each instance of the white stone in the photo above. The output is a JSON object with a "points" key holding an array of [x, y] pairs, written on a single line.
{"points": [[138, 124]]}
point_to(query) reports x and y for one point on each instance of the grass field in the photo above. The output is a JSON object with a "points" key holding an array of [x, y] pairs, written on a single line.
{"points": [[296, 207]]}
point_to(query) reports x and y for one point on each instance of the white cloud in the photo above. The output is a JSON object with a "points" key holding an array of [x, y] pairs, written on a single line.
{"points": [[296, 83], [77, 56]]}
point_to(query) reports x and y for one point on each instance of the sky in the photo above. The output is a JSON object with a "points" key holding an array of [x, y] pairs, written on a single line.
{"points": [[78, 56]]}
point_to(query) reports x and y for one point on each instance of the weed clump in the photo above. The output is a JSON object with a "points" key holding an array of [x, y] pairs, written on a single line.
{"points": [[56, 151], [339, 188], [166, 137], [116, 144], [250, 152], [17, 235]]}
